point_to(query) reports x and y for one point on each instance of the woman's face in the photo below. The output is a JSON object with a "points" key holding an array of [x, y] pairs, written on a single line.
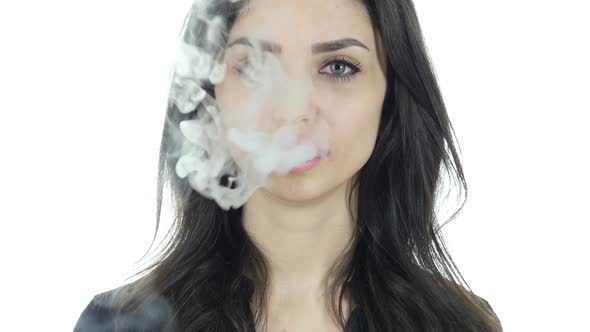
{"points": [[346, 82]]}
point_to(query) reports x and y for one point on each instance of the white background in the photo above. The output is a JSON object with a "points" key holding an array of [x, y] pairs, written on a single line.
{"points": [[83, 88]]}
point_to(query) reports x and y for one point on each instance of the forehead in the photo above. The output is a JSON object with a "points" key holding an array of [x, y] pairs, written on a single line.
{"points": [[303, 21]]}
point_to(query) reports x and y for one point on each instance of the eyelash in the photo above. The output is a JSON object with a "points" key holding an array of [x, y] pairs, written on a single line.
{"points": [[349, 62]]}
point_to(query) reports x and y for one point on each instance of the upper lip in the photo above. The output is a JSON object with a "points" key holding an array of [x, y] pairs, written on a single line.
{"points": [[305, 162], [316, 156]]}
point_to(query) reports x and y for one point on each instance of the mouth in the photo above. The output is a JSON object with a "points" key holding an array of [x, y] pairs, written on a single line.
{"points": [[306, 166]]}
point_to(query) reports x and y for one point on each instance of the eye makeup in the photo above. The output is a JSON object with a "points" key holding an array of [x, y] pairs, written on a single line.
{"points": [[346, 62], [351, 67]]}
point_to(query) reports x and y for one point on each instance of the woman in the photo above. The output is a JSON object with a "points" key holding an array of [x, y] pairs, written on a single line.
{"points": [[350, 243]]}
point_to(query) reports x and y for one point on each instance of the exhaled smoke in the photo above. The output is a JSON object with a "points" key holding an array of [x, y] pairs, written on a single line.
{"points": [[226, 154]]}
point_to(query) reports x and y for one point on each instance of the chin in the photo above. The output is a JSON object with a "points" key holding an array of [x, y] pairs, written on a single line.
{"points": [[300, 187]]}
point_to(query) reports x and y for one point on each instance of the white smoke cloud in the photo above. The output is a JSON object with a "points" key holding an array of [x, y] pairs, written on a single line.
{"points": [[225, 163]]}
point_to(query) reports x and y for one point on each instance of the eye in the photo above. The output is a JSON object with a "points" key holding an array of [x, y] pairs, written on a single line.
{"points": [[343, 69], [245, 71], [242, 65]]}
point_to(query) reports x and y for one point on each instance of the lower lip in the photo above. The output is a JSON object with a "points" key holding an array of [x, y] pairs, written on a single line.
{"points": [[307, 166]]}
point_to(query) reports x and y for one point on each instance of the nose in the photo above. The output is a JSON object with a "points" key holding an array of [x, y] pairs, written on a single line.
{"points": [[299, 118], [307, 117], [294, 105], [306, 124]]}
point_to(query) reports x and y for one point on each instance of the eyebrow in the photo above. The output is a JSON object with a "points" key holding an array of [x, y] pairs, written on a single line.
{"points": [[322, 47]]}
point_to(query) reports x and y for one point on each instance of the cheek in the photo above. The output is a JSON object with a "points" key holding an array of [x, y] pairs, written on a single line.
{"points": [[229, 100], [242, 106], [354, 123], [353, 141]]}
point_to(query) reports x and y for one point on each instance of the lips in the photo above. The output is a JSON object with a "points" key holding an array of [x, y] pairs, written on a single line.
{"points": [[307, 165]]}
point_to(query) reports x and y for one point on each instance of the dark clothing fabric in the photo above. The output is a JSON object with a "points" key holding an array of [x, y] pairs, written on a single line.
{"points": [[98, 316], [156, 317]]}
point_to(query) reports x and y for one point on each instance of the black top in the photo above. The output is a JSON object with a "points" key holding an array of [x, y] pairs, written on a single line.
{"points": [[152, 317]]}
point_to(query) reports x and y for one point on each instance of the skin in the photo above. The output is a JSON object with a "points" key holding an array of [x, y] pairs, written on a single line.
{"points": [[301, 221]]}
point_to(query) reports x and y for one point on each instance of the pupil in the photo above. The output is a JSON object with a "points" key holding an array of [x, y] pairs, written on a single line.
{"points": [[338, 65]]}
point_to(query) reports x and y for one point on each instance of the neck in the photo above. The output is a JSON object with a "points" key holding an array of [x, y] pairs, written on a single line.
{"points": [[301, 241]]}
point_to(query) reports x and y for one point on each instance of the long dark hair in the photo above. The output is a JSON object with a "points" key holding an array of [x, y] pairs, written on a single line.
{"points": [[398, 269]]}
